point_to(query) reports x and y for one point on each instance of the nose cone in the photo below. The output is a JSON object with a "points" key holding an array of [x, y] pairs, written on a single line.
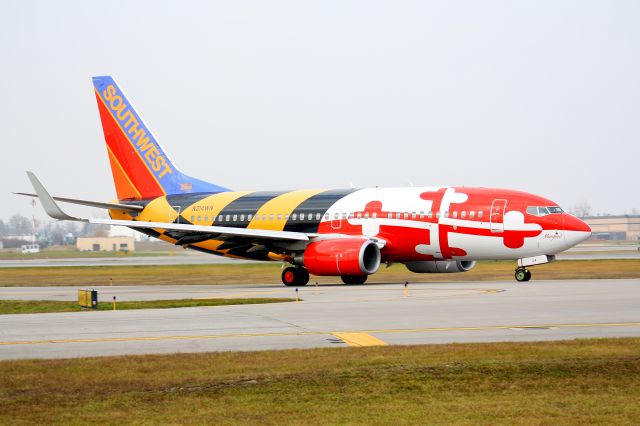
{"points": [[576, 230], [572, 223]]}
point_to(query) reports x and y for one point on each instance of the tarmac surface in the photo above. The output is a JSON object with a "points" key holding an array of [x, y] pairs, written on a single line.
{"points": [[191, 258], [327, 316]]}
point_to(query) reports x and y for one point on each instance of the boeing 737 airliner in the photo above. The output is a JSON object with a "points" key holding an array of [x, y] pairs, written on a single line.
{"points": [[345, 232]]}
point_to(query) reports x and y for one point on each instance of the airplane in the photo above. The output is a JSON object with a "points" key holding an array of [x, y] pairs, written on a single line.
{"points": [[348, 233]]}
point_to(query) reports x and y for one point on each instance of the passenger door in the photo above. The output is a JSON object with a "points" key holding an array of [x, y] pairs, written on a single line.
{"points": [[496, 216]]}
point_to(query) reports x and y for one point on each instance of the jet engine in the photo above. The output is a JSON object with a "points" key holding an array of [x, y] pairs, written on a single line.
{"points": [[440, 266], [341, 256]]}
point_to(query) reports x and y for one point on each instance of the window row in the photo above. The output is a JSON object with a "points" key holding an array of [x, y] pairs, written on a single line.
{"points": [[250, 217], [338, 216], [407, 215]]}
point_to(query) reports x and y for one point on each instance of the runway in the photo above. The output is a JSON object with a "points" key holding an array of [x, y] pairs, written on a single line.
{"points": [[327, 316]]}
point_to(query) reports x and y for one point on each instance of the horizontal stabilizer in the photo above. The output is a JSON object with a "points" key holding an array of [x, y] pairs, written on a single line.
{"points": [[97, 204]]}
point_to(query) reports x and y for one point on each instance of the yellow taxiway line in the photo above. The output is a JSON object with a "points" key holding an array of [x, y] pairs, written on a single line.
{"points": [[355, 336]]}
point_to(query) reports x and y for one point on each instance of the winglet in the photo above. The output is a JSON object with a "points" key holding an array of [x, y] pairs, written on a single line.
{"points": [[49, 204]]}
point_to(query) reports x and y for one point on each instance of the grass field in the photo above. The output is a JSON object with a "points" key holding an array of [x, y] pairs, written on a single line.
{"points": [[270, 273], [74, 254], [572, 382], [45, 306]]}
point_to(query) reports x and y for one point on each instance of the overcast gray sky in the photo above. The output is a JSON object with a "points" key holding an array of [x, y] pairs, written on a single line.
{"points": [[542, 96]]}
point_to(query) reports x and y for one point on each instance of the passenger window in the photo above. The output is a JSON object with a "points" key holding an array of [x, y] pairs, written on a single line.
{"points": [[206, 218], [220, 218], [463, 214], [446, 213], [480, 214], [390, 216], [241, 218], [406, 215], [280, 216], [294, 216], [374, 215], [413, 215], [199, 218], [286, 217], [429, 214], [318, 216], [271, 216], [398, 215], [235, 217], [359, 215], [350, 215], [437, 215], [249, 217], [366, 215], [264, 216], [193, 219], [472, 214], [455, 215], [421, 215]]}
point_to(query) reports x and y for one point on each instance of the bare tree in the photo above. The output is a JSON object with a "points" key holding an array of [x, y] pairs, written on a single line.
{"points": [[19, 225], [581, 209]]}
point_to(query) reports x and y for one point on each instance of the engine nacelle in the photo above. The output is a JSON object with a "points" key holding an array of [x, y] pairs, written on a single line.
{"points": [[341, 257], [440, 266]]}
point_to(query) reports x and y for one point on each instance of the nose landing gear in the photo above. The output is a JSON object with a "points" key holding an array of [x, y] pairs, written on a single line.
{"points": [[523, 275]]}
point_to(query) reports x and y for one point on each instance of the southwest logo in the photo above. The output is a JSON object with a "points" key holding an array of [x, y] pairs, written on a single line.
{"points": [[136, 133]]}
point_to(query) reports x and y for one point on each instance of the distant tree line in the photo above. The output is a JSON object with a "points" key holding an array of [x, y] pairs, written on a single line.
{"points": [[46, 233]]}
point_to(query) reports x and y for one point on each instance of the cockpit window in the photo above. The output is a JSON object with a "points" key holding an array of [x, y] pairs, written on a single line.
{"points": [[543, 211]]}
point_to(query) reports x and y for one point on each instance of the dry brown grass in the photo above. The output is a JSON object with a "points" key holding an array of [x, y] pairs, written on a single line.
{"points": [[574, 382], [270, 273]]}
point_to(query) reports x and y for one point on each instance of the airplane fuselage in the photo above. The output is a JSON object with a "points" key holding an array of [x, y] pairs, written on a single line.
{"points": [[410, 224]]}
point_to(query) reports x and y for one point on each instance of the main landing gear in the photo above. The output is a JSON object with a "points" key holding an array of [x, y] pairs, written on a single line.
{"points": [[295, 276], [523, 275]]}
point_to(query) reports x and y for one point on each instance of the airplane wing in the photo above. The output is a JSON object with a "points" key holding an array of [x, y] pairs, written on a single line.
{"points": [[189, 233]]}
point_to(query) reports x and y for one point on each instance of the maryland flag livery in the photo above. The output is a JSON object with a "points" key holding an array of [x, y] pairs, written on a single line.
{"points": [[344, 232]]}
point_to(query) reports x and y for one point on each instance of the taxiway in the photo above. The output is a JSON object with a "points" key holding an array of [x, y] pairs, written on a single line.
{"points": [[327, 316]]}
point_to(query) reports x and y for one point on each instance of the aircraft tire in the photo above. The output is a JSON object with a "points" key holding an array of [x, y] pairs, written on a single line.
{"points": [[521, 275], [293, 277]]}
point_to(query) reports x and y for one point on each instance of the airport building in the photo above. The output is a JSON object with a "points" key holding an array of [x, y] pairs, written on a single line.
{"points": [[105, 244], [625, 227]]}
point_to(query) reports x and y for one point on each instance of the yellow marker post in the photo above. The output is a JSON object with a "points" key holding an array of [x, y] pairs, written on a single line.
{"points": [[114, 303], [405, 291], [111, 282], [297, 298]]}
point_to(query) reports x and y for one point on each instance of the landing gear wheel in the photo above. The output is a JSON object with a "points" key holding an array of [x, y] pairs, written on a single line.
{"points": [[354, 279], [523, 275], [295, 276]]}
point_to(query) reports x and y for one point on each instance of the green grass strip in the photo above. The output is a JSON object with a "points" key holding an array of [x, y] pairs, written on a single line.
{"points": [[48, 306]]}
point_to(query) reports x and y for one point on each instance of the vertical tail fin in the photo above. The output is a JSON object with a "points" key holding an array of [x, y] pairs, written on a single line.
{"points": [[140, 167]]}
